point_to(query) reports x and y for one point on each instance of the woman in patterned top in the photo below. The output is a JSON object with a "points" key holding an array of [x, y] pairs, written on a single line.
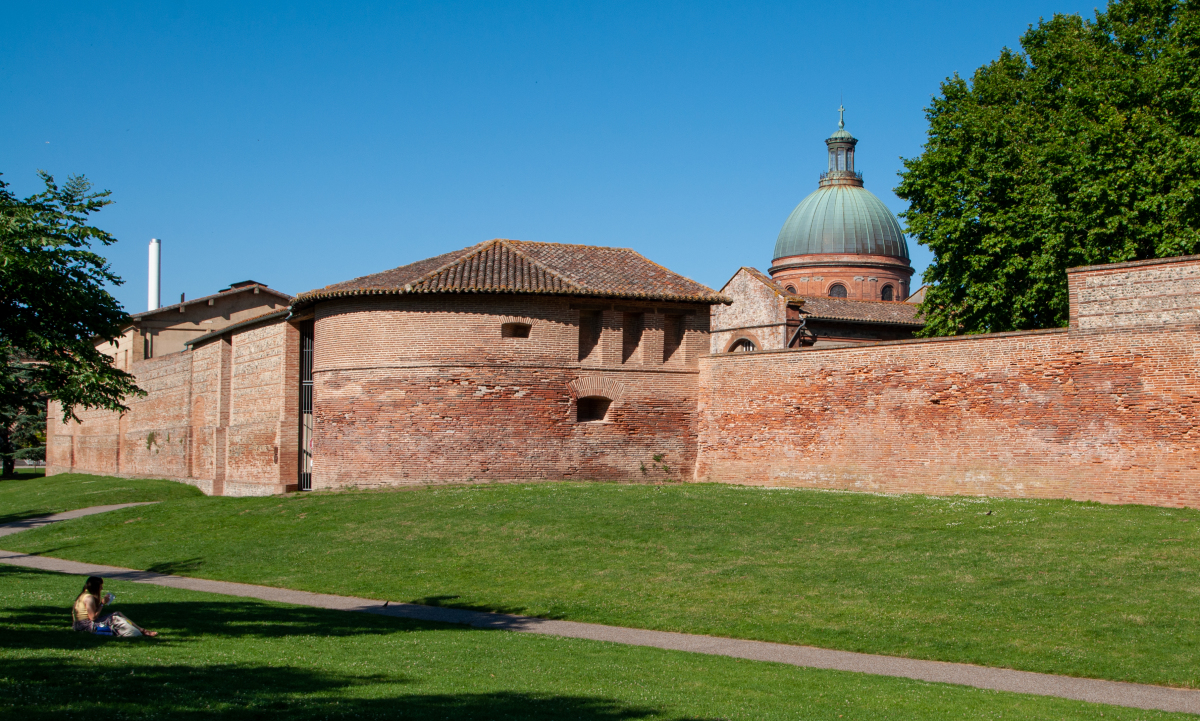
{"points": [[85, 614]]}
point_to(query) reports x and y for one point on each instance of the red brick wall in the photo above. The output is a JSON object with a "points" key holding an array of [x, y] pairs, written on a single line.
{"points": [[221, 417], [1107, 411], [255, 461], [1110, 417], [425, 390]]}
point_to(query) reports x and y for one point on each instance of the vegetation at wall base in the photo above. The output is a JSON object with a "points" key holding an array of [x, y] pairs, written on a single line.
{"points": [[1082, 149], [1061, 587], [234, 658]]}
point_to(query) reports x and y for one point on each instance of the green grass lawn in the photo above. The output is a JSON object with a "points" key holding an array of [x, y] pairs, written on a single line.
{"points": [[247, 659], [1052, 586], [30, 494]]}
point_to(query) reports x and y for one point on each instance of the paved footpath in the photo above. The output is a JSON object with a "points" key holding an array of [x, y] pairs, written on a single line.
{"points": [[999, 679]]}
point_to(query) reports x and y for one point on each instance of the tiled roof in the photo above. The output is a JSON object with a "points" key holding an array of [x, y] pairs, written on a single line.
{"points": [[819, 307], [521, 266], [863, 311], [204, 299]]}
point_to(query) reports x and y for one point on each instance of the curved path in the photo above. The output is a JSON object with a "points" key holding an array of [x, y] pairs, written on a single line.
{"points": [[1080, 689]]}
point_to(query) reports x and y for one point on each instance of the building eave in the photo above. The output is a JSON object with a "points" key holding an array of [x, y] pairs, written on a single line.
{"points": [[304, 300]]}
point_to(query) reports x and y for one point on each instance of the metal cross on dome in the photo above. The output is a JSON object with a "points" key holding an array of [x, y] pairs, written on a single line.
{"points": [[841, 119]]}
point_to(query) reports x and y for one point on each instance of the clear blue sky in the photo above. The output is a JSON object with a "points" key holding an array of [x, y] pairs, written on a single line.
{"points": [[305, 145]]}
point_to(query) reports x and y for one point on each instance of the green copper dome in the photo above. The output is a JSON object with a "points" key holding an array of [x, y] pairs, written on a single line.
{"points": [[841, 216], [841, 219]]}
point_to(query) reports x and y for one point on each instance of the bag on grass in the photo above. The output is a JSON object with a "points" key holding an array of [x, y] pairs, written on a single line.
{"points": [[122, 627]]}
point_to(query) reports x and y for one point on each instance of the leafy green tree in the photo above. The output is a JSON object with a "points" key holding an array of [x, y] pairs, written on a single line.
{"points": [[22, 418], [54, 310], [1080, 150]]}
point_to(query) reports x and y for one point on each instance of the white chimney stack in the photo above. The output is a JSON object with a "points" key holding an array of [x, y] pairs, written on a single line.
{"points": [[153, 294]]}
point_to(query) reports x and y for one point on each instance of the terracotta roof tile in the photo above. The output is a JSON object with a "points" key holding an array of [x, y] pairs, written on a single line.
{"points": [[865, 311], [819, 307], [519, 266]]}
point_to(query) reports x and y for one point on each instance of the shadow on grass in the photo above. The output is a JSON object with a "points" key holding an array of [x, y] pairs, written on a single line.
{"points": [[45, 627], [175, 568], [24, 474], [45, 688], [449, 602], [41, 626], [48, 671], [6, 518]]}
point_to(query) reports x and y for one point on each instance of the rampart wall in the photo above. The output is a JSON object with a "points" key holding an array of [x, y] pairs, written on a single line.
{"points": [[430, 389], [221, 417], [1107, 410]]}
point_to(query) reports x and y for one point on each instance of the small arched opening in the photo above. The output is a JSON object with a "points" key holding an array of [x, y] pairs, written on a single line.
{"points": [[887, 293], [742, 345], [837, 290], [515, 330], [592, 409], [791, 289]]}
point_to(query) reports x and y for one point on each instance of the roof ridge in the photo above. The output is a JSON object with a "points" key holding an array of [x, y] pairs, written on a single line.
{"points": [[218, 294], [467, 253], [565, 245], [506, 242]]}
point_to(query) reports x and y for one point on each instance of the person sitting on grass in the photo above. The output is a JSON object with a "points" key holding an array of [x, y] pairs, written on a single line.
{"points": [[85, 614]]}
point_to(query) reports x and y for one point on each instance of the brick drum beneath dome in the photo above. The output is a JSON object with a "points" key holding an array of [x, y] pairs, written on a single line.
{"points": [[865, 277]]}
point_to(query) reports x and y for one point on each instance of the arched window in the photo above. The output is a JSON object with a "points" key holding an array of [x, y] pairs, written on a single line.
{"points": [[886, 293], [837, 290], [741, 345], [514, 330], [591, 409], [791, 289], [841, 158], [850, 159]]}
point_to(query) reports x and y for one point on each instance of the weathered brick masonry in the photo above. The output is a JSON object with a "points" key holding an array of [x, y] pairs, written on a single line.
{"points": [[1106, 410], [480, 364], [221, 417], [425, 389]]}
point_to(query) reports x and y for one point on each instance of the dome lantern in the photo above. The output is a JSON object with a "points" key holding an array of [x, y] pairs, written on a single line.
{"points": [[841, 157]]}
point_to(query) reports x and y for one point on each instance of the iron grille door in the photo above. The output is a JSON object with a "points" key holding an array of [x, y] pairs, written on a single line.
{"points": [[306, 407]]}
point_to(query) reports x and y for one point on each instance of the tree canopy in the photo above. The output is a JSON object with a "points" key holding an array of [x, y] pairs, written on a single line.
{"points": [[1081, 149], [53, 304]]}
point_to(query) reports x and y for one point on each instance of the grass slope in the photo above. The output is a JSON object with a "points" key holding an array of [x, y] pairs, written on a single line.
{"points": [[1052, 586], [245, 659], [29, 494]]}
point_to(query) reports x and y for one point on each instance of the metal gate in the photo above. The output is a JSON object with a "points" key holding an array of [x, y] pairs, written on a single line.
{"points": [[306, 406]]}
